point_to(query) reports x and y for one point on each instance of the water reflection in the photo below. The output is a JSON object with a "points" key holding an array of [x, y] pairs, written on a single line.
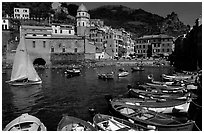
{"points": [[24, 98]]}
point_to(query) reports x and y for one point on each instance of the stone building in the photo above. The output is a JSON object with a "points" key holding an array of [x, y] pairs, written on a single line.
{"points": [[58, 43], [157, 44]]}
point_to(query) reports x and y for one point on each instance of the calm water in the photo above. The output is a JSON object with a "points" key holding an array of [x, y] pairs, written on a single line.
{"points": [[59, 95]]}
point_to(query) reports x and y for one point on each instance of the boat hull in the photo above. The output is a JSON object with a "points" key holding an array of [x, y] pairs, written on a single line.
{"points": [[69, 123], [123, 74], [19, 124], [25, 83], [110, 123], [159, 121], [169, 106]]}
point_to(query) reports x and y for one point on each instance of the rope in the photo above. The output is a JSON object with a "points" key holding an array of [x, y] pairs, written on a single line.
{"points": [[197, 126], [196, 104]]}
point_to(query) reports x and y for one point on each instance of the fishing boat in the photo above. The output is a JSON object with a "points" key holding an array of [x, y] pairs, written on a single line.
{"points": [[69, 123], [170, 83], [23, 71], [162, 89], [110, 123], [148, 118], [122, 72], [176, 77], [165, 86], [158, 105], [138, 68], [73, 71], [106, 76], [156, 95], [25, 122]]}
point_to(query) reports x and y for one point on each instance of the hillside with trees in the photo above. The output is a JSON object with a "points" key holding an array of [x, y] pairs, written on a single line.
{"points": [[136, 21]]}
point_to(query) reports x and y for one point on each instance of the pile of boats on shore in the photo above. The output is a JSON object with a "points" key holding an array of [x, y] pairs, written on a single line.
{"points": [[146, 107]]}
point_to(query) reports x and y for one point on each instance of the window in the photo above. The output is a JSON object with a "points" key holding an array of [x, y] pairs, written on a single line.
{"points": [[33, 44], [34, 34], [60, 31], [158, 45], [167, 50], [75, 50], [52, 49], [162, 50], [44, 44], [69, 31], [143, 46], [45, 35], [63, 49], [82, 23], [2, 26]]}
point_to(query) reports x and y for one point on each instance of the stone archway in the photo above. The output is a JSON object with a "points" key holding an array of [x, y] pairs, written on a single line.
{"points": [[39, 61]]}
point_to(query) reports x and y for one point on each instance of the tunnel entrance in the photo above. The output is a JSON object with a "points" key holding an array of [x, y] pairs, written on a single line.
{"points": [[39, 61]]}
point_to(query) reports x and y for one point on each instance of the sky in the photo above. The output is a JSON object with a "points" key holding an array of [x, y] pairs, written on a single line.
{"points": [[187, 11]]}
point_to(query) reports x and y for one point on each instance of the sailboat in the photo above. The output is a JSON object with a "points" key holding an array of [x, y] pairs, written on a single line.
{"points": [[23, 71]]}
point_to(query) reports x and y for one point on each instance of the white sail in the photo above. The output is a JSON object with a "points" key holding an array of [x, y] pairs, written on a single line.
{"points": [[31, 72], [20, 62], [22, 66]]}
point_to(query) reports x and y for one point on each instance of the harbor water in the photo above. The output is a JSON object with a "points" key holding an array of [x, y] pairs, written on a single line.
{"points": [[59, 95]]}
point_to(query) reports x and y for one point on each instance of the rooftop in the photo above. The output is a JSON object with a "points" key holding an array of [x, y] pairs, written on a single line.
{"points": [[82, 8]]}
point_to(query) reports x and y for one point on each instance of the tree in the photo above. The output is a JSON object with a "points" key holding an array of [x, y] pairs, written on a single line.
{"points": [[72, 9]]}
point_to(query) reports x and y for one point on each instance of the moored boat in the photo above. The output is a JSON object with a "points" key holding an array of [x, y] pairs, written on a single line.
{"points": [[138, 68], [176, 77], [163, 89], [73, 72], [157, 105], [69, 123], [25, 122], [110, 123], [123, 74], [141, 115], [106, 76], [156, 95]]}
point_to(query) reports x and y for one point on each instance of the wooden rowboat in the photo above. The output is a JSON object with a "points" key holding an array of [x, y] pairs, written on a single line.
{"points": [[160, 106], [69, 123], [110, 123], [25, 122], [156, 95], [148, 118]]}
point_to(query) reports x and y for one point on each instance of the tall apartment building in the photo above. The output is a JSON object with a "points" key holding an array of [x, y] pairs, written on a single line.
{"points": [[21, 13], [159, 45]]}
